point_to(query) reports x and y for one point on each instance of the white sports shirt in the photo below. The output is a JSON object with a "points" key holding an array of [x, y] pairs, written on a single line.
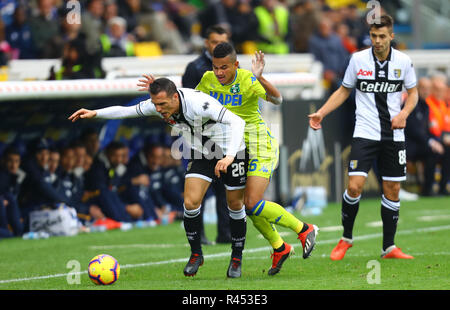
{"points": [[202, 121], [379, 88]]}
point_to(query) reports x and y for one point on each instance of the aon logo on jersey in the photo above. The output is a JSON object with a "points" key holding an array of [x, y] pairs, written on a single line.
{"points": [[225, 99]]}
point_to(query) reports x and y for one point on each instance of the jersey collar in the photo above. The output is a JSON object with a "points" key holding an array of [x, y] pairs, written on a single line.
{"points": [[388, 58], [234, 80], [182, 109]]}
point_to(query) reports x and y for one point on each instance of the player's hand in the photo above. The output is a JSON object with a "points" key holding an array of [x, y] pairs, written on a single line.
{"points": [[144, 83], [398, 121], [258, 64], [82, 113], [314, 120], [222, 165]]}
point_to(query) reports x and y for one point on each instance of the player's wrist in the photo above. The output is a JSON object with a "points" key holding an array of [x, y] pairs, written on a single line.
{"points": [[404, 114], [229, 157]]}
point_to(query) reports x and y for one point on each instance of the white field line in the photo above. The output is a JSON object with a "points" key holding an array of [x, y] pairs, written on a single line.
{"points": [[223, 254], [137, 245]]}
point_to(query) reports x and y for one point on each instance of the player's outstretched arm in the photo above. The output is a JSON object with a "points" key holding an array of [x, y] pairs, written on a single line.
{"points": [[82, 113], [144, 83], [334, 102], [258, 63]]}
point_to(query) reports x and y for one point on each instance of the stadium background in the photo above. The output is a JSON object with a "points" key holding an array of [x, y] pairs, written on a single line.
{"points": [[32, 106]]}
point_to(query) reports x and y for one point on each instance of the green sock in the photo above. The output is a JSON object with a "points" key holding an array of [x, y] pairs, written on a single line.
{"points": [[268, 231], [276, 214]]}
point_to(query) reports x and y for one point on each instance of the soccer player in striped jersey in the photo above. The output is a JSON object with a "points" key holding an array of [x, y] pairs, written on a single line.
{"points": [[216, 137], [239, 90], [378, 74]]}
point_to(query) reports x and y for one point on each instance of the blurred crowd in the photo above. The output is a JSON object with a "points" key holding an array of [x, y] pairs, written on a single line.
{"points": [[81, 32], [427, 135], [112, 186], [108, 188]]}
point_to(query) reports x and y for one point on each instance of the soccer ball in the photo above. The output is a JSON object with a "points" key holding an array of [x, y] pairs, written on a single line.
{"points": [[103, 269]]}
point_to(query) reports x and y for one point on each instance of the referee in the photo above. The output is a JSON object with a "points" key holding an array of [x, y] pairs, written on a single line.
{"points": [[378, 73]]}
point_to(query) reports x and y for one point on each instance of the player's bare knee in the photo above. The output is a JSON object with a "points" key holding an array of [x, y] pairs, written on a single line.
{"points": [[191, 203], [250, 202], [235, 205], [354, 190]]}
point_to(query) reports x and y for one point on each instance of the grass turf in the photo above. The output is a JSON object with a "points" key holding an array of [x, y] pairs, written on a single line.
{"points": [[154, 258]]}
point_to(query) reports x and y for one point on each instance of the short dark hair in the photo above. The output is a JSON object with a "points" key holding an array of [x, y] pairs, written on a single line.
{"points": [[225, 49], [114, 146], [163, 84], [385, 21], [149, 147], [215, 29], [10, 150]]}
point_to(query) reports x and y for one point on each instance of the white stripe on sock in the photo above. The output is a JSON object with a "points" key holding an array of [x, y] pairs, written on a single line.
{"points": [[191, 213], [237, 215], [392, 205], [351, 200]]}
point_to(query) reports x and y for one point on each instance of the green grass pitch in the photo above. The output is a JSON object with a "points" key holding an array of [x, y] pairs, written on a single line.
{"points": [[154, 258]]}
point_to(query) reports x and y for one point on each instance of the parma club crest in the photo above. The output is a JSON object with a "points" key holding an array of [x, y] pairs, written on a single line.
{"points": [[397, 73], [235, 89], [353, 164]]}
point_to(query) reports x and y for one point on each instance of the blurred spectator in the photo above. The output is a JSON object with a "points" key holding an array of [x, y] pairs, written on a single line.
{"points": [[111, 10], [75, 63], [44, 30], [348, 42], [92, 25], [131, 192], [146, 173], [80, 158], [130, 10], [7, 9], [11, 178], [90, 138], [358, 28], [5, 48], [327, 48], [237, 17], [70, 30], [18, 34], [217, 13], [91, 29], [53, 165], [72, 187], [440, 125], [420, 143], [304, 21], [273, 27], [184, 16], [37, 190], [87, 163], [437, 105], [116, 42], [195, 69], [148, 21], [103, 182], [245, 25], [173, 182]]}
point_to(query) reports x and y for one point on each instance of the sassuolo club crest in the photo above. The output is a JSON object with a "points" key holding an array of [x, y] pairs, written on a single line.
{"points": [[235, 89]]}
